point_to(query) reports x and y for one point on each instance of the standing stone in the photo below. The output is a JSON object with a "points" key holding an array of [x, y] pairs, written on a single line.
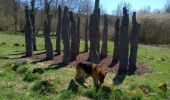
{"points": [[66, 36], [78, 35], [116, 51], [28, 33], [104, 38], [94, 55], [133, 43], [86, 36], [124, 47], [58, 33], [74, 37], [47, 31], [32, 16]]}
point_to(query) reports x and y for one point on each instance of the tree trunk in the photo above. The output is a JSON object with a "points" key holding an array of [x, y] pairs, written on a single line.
{"points": [[86, 36], [78, 35], [94, 34], [66, 36], [124, 47], [133, 43], [32, 16], [73, 37], [47, 31], [28, 33], [104, 39], [58, 33], [116, 51]]}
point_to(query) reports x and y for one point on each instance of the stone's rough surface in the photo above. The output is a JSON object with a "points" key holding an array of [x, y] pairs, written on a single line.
{"points": [[32, 16], [28, 33], [47, 31], [78, 35], [124, 47], [66, 36], [115, 58], [133, 42], [86, 36], [94, 55], [104, 38], [58, 33], [73, 34]]}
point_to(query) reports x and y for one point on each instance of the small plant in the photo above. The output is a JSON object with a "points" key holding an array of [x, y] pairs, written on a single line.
{"points": [[45, 87], [30, 77], [22, 70]]}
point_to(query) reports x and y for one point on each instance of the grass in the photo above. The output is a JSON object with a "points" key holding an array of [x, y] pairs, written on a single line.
{"points": [[13, 86]]}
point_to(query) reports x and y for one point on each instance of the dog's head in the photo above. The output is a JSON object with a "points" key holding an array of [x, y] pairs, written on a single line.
{"points": [[102, 75]]}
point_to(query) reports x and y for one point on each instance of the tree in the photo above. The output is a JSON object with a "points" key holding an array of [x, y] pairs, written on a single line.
{"points": [[94, 55], [167, 7], [47, 31], [116, 51], [58, 33], [32, 16], [15, 5], [124, 47], [66, 36], [133, 44], [73, 37], [104, 38], [28, 33]]}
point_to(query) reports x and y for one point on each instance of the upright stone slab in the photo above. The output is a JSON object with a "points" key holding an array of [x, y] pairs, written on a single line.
{"points": [[66, 36], [28, 34], [104, 38], [133, 43], [73, 37], [32, 16], [94, 55], [47, 31], [86, 36], [124, 47], [116, 51], [78, 35], [58, 33]]}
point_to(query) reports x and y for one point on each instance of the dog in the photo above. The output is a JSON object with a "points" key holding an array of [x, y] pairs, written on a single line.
{"points": [[84, 69]]}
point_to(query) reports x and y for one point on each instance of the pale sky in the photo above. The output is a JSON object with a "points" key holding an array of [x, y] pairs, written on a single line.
{"points": [[109, 5]]}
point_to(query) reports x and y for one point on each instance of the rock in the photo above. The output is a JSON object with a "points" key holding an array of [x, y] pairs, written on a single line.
{"points": [[18, 62], [38, 70], [145, 89], [47, 82]]}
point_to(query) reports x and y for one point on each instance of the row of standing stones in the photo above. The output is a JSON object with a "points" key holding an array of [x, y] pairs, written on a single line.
{"points": [[70, 29]]}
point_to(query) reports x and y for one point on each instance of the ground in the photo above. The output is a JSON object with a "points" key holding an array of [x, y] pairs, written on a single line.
{"points": [[153, 63]]}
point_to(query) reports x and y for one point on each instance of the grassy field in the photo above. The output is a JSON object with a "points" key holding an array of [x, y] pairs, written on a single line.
{"points": [[16, 84]]}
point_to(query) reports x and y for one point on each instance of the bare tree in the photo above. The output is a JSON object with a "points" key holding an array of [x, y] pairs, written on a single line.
{"points": [[167, 7], [15, 5]]}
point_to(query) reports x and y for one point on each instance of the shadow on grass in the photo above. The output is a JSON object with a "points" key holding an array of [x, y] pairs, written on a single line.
{"points": [[55, 66]]}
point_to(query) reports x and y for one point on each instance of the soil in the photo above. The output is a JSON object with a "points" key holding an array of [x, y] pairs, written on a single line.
{"points": [[142, 68]]}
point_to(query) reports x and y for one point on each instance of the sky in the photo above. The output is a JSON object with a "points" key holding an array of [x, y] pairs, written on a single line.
{"points": [[109, 5]]}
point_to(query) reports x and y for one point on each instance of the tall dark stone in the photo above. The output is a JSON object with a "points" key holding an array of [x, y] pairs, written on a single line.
{"points": [[78, 35], [124, 47], [86, 36], [104, 38], [94, 55], [32, 16], [73, 34], [116, 51], [28, 33], [47, 31], [58, 33], [133, 43], [66, 36]]}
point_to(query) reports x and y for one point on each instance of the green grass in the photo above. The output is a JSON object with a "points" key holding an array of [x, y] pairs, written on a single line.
{"points": [[13, 86]]}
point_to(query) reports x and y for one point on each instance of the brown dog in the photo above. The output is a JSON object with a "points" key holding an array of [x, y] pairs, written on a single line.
{"points": [[84, 69]]}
